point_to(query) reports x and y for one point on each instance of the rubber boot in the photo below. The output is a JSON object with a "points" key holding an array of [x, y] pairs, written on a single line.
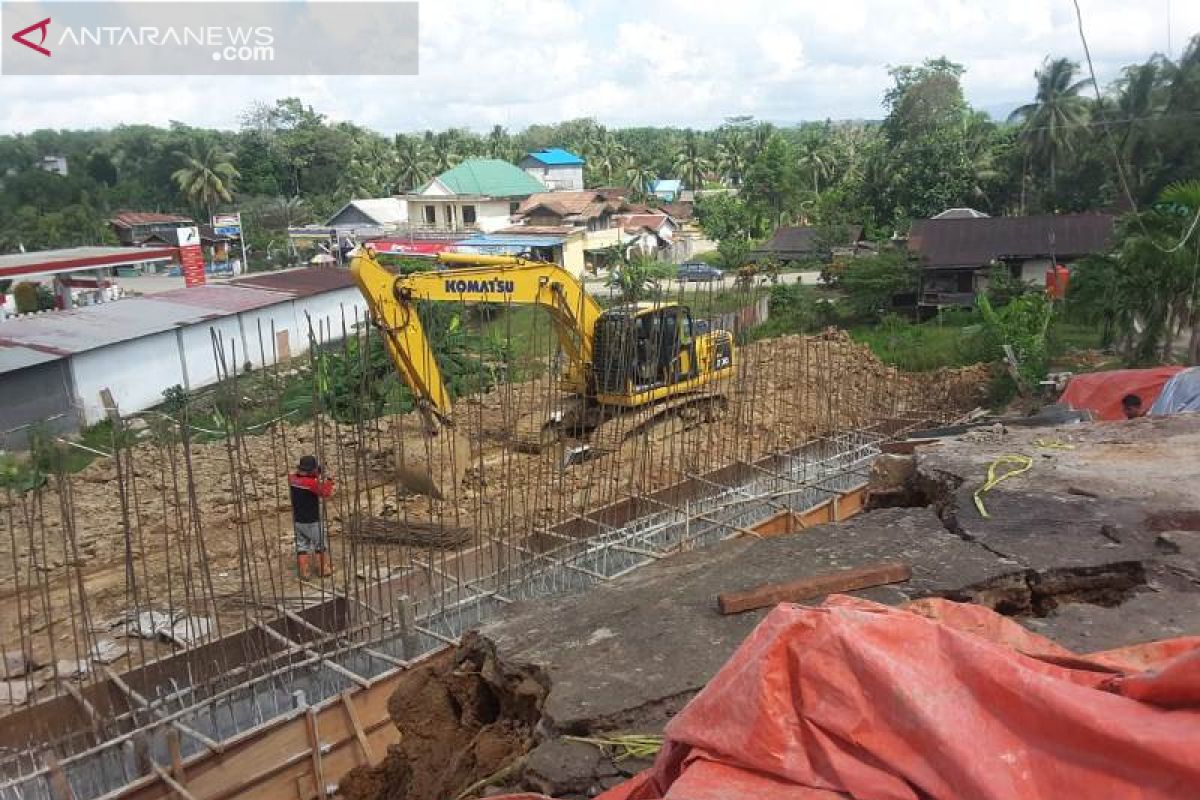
{"points": [[304, 566], [326, 565]]}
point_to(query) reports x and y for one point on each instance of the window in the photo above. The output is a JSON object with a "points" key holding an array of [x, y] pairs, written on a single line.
{"points": [[431, 215], [468, 215], [513, 207]]}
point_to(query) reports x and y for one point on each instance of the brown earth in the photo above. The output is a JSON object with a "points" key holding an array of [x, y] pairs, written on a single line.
{"points": [[462, 720], [787, 390]]}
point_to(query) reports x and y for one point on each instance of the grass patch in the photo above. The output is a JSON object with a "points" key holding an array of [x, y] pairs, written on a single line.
{"points": [[919, 348]]}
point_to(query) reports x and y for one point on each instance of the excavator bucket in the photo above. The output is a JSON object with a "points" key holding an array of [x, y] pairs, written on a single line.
{"points": [[430, 464]]}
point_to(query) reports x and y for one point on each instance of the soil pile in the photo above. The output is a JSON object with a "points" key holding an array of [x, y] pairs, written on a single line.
{"points": [[467, 720]]}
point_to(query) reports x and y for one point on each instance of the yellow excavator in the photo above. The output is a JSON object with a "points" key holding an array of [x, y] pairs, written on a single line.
{"points": [[626, 369]]}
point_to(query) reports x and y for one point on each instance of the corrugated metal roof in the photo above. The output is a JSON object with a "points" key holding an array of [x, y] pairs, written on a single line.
{"points": [[798, 241], [976, 242], [511, 240], [127, 219], [666, 185], [300, 282], [26, 341], [490, 177], [77, 258], [556, 157]]}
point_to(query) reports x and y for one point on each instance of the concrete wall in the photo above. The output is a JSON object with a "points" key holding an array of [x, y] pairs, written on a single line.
{"points": [[561, 178], [40, 394], [1034, 270], [138, 371], [490, 215]]}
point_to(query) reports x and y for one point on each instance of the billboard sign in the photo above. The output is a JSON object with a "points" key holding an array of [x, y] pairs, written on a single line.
{"points": [[228, 224]]}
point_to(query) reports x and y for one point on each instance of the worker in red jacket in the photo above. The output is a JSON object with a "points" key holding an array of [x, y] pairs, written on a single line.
{"points": [[308, 487]]}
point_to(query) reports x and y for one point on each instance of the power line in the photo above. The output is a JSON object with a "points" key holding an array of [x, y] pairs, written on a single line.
{"points": [[1087, 52]]}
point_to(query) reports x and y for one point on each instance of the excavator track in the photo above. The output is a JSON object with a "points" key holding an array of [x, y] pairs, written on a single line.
{"points": [[688, 410]]}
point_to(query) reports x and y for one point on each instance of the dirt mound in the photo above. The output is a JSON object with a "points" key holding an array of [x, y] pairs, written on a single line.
{"points": [[462, 721]]}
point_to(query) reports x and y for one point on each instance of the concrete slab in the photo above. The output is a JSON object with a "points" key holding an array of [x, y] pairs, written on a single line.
{"points": [[654, 637], [1091, 502]]}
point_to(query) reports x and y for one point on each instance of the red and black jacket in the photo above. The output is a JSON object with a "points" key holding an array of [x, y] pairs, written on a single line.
{"points": [[306, 493]]}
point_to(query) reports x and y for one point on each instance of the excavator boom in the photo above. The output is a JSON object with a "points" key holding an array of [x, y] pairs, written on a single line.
{"points": [[474, 279]]}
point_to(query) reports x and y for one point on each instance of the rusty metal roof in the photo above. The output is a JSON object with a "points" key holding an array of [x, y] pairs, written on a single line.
{"points": [[300, 282], [976, 242], [127, 219]]}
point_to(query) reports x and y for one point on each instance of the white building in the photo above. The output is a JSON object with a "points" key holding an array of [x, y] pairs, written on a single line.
{"points": [[53, 366], [370, 217], [557, 169], [479, 195], [54, 164]]}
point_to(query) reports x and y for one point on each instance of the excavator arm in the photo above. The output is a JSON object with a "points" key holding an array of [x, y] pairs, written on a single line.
{"points": [[474, 279]]}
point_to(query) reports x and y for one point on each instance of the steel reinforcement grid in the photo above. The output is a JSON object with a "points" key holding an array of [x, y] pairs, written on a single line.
{"points": [[793, 481]]}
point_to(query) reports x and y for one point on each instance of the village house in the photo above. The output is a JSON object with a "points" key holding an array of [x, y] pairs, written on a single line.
{"points": [[651, 234], [791, 244], [957, 252], [135, 228], [369, 217], [557, 169], [480, 194]]}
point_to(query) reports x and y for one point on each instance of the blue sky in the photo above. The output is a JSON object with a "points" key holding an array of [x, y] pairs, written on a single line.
{"points": [[670, 62]]}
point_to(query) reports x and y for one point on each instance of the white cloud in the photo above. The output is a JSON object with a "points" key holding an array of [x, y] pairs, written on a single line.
{"points": [[676, 62]]}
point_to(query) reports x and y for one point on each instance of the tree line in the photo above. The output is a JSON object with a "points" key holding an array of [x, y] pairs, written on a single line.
{"points": [[288, 164]]}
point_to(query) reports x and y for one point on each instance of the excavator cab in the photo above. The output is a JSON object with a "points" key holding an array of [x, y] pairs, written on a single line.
{"points": [[642, 348]]}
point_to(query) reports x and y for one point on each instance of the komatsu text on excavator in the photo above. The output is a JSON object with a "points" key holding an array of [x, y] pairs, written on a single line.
{"points": [[627, 368]]}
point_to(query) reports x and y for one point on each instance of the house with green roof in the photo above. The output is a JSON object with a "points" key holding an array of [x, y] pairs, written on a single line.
{"points": [[480, 194]]}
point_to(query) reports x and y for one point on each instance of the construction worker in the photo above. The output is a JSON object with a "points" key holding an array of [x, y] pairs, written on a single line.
{"points": [[308, 486], [1131, 406]]}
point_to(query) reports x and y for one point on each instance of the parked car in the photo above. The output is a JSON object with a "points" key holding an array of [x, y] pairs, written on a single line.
{"points": [[698, 271]]}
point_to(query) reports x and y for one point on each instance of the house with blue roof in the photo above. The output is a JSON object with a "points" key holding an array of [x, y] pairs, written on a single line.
{"points": [[666, 189], [558, 170]]}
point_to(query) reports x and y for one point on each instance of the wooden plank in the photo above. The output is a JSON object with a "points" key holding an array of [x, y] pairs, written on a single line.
{"points": [[851, 503], [779, 524], [314, 743], [356, 725], [175, 785], [178, 771], [846, 580], [60, 787]]}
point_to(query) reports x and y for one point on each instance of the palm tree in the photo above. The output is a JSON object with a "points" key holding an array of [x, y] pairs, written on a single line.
{"points": [[759, 138], [610, 159], [1055, 117], [731, 156], [206, 177], [812, 158], [413, 162], [638, 176], [1141, 98], [498, 143], [445, 150], [691, 163]]}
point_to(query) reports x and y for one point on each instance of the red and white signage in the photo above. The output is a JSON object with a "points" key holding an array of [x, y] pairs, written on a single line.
{"points": [[191, 257], [402, 247]]}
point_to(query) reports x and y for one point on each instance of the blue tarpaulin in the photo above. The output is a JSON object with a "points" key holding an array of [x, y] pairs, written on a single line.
{"points": [[1181, 394]]}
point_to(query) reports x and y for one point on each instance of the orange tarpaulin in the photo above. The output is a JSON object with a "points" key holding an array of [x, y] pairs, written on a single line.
{"points": [[1101, 392], [941, 700]]}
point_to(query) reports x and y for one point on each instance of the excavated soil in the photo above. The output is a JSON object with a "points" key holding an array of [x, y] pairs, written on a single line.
{"points": [[462, 720], [787, 391]]}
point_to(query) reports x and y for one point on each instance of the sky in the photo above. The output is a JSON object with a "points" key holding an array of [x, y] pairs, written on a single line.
{"points": [[668, 62]]}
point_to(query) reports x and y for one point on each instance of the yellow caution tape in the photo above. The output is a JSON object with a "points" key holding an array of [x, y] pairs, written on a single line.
{"points": [[1052, 444], [1020, 464]]}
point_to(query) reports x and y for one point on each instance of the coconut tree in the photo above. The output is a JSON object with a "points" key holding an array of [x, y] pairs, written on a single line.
{"points": [[1053, 121], [732, 148], [206, 177], [414, 162], [638, 176], [1141, 98], [813, 161], [498, 144], [691, 162]]}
